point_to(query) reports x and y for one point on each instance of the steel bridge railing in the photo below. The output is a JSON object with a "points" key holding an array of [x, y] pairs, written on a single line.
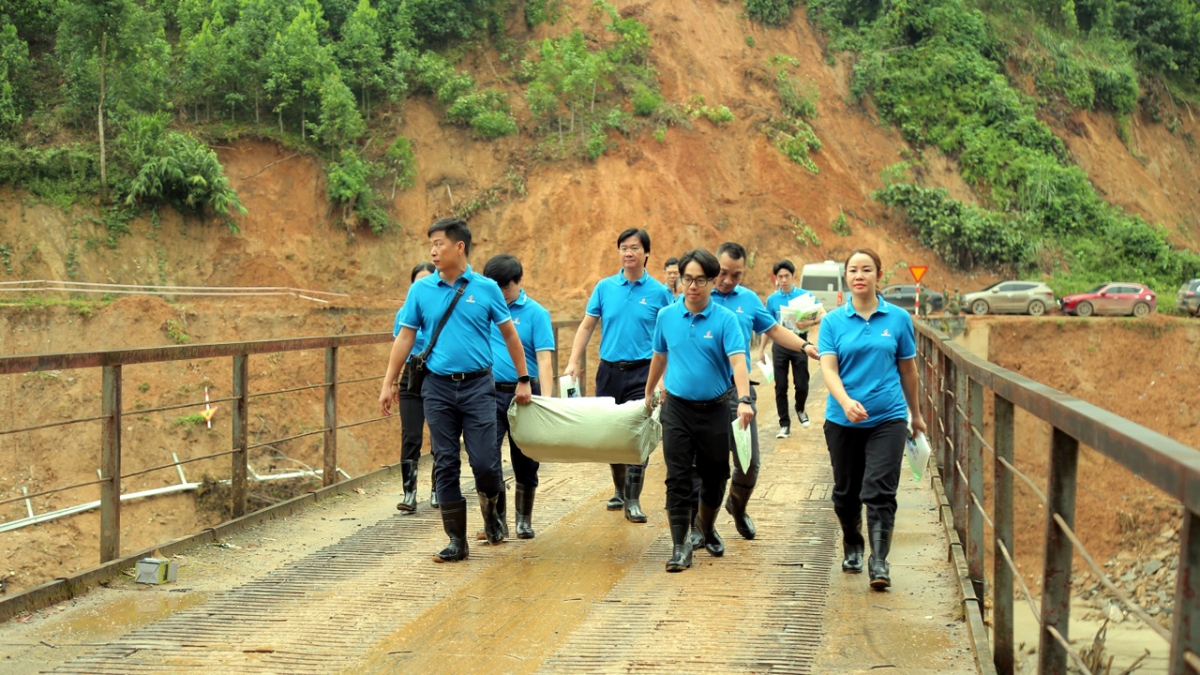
{"points": [[111, 364], [953, 382]]}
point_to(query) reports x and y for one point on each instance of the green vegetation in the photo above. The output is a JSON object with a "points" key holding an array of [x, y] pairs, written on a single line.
{"points": [[188, 421], [804, 233], [770, 12], [790, 131], [177, 331], [840, 225], [937, 70]]}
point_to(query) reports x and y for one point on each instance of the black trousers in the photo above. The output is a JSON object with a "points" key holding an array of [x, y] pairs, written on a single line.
{"points": [[412, 421], [783, 358], [623, 385], [697, 440], [866, 470], [525, 470]]}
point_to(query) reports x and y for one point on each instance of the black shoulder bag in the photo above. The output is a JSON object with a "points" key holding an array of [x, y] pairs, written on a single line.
{"points": [[418, 365]]}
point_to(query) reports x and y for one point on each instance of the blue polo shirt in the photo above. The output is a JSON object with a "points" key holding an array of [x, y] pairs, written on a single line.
{"points": [[532, 322], [419, 342], [627, 311], [867, 353], [752, 316], [779, 299], [465, 343], [698, 347]]}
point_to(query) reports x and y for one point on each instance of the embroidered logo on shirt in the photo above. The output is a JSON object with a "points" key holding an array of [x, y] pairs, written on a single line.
{"points": [[471, 299], [739, 310], [885, 333], [708, 335], [516, 321], [643, 301]]}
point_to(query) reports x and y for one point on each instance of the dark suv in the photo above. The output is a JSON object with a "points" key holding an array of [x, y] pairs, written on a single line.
{"points": [[1188, 298]]}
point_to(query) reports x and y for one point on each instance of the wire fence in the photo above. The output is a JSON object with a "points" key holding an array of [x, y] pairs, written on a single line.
{"points": [[954, 382]]}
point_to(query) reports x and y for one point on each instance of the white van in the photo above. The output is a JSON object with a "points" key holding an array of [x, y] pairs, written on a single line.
{"points": [[827, 281]]}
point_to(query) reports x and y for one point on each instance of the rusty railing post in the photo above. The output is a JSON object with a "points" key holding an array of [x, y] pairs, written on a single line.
{"points": [[959, 503], [974, 543], [241, 414], [331, 375], [1056, 566], [1002, 514], [947, 454], [1185, 635], [110, 465]]}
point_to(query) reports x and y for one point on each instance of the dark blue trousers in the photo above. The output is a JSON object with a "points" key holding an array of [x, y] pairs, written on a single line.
{"points": [[524, 469], [465, 410]]}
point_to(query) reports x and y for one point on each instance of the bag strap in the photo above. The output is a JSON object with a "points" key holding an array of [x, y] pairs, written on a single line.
{"points": [[445, 317]]}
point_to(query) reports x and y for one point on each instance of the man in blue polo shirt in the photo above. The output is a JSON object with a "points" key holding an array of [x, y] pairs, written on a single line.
{"points": [[459, 391], [537, 338], [700, 347], [627, 305], [784, 358], [752, 318]]}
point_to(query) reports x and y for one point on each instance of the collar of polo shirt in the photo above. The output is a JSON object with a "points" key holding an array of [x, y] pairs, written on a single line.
{"points": [[640, 280], [467, 274], [703, 312], [520, 301]]}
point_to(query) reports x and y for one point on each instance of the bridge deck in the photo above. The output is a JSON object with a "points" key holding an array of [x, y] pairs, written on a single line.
{"points": [[348, 586]]}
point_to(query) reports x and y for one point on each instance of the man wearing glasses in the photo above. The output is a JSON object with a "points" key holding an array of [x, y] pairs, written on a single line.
{"points": [[700, 347], [627, 303], [753, 318]]}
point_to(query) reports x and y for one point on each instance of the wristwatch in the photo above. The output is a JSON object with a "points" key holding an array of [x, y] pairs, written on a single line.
{"points": [[524, 379], [746, 400]]}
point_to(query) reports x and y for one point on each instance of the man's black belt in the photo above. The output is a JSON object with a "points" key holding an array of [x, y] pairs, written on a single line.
{"points": [[511, 387], [627, 365], [462, 377], [718, 402]]}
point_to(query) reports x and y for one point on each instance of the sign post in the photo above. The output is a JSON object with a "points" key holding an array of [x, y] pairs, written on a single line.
{"points": [[918, 272]]}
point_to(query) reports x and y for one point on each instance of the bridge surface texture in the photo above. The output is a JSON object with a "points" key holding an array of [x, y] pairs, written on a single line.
{"points": [[347, 585]]}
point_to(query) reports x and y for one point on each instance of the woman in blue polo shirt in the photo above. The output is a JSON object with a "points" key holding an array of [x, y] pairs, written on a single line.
{"points": [[412, 416], [868, 353], [700, 346]]}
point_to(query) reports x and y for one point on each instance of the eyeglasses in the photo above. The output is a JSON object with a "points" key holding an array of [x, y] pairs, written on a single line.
{"points": [[630, 249], [700, 282]]}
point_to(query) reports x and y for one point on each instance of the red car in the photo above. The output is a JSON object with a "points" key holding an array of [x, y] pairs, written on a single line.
{"points": [[1111, 298]]}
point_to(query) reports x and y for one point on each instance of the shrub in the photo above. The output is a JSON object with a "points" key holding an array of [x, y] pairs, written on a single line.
{"points": [[348, 182], [718, 115], [645, 101], [770, 12], [597, 143]]}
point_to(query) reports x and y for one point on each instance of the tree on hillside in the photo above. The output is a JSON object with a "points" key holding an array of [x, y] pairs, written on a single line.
{"points": [[340, 122], [360, 52], [113, 54], [202, 65], [14, 72], [297, 64]]}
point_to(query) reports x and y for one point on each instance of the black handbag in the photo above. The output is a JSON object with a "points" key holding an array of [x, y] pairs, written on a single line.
{"points": [[418, 366]]}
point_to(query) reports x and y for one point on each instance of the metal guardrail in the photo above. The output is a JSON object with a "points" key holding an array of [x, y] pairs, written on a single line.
{"points": [[953, 381], [111, 364]]}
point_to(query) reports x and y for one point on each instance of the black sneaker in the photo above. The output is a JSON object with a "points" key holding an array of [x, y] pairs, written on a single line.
{"points": [[804, 420]]}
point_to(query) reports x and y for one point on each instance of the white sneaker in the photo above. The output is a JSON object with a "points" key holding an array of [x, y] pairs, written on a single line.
{"points": [[784, 432], [804, 420]]}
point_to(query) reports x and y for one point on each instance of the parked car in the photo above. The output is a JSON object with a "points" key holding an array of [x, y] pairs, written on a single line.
{"points": [[905, 295], [1188, 298], [1010, 297], [1112, 298]]}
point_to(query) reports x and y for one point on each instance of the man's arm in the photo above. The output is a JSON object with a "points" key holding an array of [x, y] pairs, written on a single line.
{"points": [[741, 381], [401, 348], [658, 366], [582, 336], [516, 352], [789, 340], [545, 359]]}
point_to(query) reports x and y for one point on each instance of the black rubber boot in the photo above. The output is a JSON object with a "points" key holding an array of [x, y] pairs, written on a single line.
{"points": [[493, 526], [706, 520], [618, 499], [877, 564], [736, 506], [433, 500], [681, 552], [501, 513], [852, 545], [695, 538], [634, 478], [454, 522], [408, 469], [523, 503]]}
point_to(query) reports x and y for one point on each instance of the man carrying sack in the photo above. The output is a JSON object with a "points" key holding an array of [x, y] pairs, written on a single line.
{"points": [[457, 307]]}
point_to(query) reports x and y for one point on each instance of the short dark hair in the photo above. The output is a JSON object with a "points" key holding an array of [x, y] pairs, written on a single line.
{"points": [[456, 230], [732, 249], [707, 261], [504, 269], [422, 267], [642, 235], [670, 261], [784, 264]]}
